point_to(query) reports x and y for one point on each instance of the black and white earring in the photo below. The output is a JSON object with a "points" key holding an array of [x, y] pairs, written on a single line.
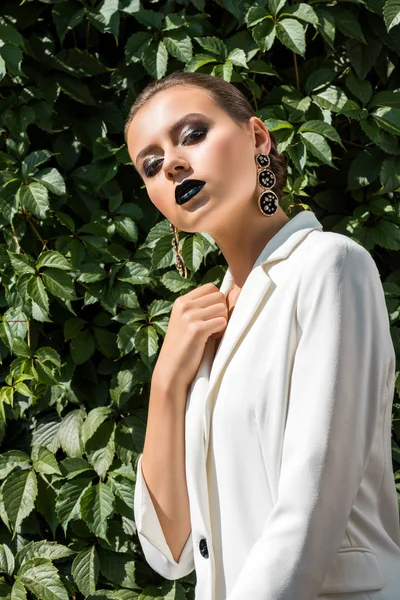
{"points": [[268, 201]]}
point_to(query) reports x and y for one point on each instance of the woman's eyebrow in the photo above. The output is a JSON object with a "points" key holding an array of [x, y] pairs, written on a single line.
{"points": [[173, 129]]}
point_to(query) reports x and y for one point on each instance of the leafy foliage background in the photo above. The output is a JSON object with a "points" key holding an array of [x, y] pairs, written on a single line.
{"points": [[87, 266]]}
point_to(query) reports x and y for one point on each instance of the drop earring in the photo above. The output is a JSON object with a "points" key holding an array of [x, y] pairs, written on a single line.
{"points": [[179, 263], [268, 201]]}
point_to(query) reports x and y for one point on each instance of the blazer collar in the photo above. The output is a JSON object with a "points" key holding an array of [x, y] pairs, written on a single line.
{"points": [[250, 301]]}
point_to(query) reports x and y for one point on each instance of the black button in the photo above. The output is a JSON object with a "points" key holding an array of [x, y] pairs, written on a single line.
{"points": [[203, 547]]}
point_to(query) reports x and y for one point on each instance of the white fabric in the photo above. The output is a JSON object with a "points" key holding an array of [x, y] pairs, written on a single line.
{"points": [[288, 434]]}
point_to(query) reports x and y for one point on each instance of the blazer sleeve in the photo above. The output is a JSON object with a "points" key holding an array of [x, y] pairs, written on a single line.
{"points": [[152, 540], [337, 384]]}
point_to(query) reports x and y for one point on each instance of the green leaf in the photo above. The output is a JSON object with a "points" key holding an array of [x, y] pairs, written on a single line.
{"points": [[96, 506], [126, 227], [155, 59], [76, 89], [54, 259], [136, 45], [7, 561], [66, 16], [317, 145], [361, 89], [85, 570], [363, 170], [33, 160], [237, 57], [199, 60], [291, 33], [95, 418], [41, 577], [390, 174], [11, 459], [302, 11], [179, 45], [52, 180], [69, 500], [9, 198], [82, 347], [255, 15], [21, 263], [19, 495], [18, 591], [326, 25], [332, 98], [38, 294], [363, 56], [348, 23], [70, 433], [45, 353], [46, 463], [388, 118], [275, 6], [35, 198], [100, 448], [323, 129], [214, 45], [42, 549], [59, 284], [105, 16], [148, 18], [21, 348], [391, 13]]}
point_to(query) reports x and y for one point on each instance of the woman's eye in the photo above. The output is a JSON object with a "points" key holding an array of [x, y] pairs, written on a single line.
{"points": [[195, 135]]}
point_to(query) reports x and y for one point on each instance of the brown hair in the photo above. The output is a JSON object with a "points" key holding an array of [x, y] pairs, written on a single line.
{"points": [[228, 97]]}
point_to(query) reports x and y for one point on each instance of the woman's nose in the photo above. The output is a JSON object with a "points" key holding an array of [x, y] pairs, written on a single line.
{"points": [[174, 165]]}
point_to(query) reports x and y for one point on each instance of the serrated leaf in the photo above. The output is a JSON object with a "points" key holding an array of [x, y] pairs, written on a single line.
{"points": [[46, 462], [22, 263], [42, 549], [19, 495], [41, 577], [95, 418], [54, 259], [155, 59], [100, 448], [37, 293], [7, 561], [70, 433], [85, 570], [69, 499], [35, 198], [11, 459], [82, 347], [52, 180], [96, 506], [291, 33], [18, 591], [391, 13], [59, 284], [179, 45], [316, 144]]}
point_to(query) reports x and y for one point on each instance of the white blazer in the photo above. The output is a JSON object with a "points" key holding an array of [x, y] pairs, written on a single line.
{"points": [[288, 434]]}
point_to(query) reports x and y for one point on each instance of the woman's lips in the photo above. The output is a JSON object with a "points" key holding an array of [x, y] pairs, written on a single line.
{"points": [[192, 188]]}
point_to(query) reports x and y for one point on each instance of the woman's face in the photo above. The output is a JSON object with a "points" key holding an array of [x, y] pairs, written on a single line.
{"points": [[179, 134]]}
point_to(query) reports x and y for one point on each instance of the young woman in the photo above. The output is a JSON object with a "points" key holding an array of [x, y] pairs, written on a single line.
{"points": [[267, 459]]}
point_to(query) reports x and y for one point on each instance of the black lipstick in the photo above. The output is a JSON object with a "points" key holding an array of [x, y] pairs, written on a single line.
{"points": [[187, 189]]}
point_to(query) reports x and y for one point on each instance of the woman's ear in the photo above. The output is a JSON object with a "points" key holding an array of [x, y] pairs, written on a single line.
{"points": [[262, 139]]}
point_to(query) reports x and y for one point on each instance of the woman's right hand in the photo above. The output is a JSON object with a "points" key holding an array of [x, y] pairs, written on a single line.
{"points": [[195, 316]]}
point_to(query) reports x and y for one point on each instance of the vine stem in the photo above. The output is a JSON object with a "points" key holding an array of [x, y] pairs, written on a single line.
{"points": [[29, 219], [296, 70]]}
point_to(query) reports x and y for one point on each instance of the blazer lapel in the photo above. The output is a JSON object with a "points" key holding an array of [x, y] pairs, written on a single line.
{"points": [[251, 299], [204, 387]]}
